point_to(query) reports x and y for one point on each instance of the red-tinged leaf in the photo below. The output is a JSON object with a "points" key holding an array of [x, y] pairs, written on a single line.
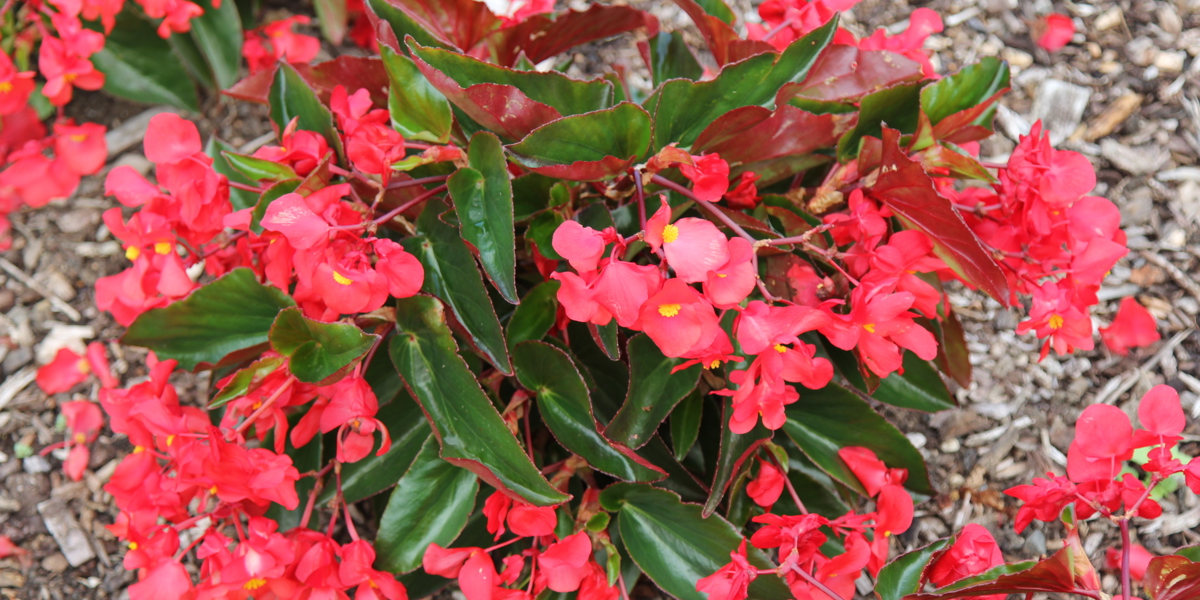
{"points": [[904, 187], [542, 36], [1172, 578], [455, 23], [1067, 571], [957, 164], [847, 73], [723, 41], [962, 127], [754, 133], [587, 147], [354, 72], [254, 87]]}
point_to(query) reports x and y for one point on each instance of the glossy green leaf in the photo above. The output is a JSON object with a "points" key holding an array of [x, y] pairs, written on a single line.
{"points": [[683, 109], [431, 504], [718, 9], [671, 58], [735, 449], [1191, 553], [564, 404], [605, 336], [230, 315], [258, 169], [963, 90], [531, 195], [402, 24], [919, 387], [535, 315], [589, 146], [451, 275], [679, 479], [218, 35], [902, 576], [825, 420], [541, 232], [246, 380], [419, 111], [455, 23], [685, 423], [317, 351], [896, 106], [291, 97], [608, 379], [408, 429], [483, 202], [240, 199], [472, 433], [566, 95], [333, 19], [653, 392], [675, 546], [139, 65]]}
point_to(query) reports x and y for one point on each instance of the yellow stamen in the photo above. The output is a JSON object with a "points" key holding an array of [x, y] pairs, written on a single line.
{"points": [[5, 87], [133, 546], [668, 310], [213, 490], [870, 327], [255, 583], [138, 449], [170, 439], [722, 275], [133, 252], [69, 77], [162, 247], [780, 348], [338, 277], [670, 234], [80, 438], [714, 364], [83, 366], [1056, 321], [79, 137]]}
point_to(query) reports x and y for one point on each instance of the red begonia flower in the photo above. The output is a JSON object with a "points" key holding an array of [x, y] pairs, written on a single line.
{"points": [[729, 284], [800, 534], [15, 86], [709, 175], [973, 552], [692, 246], [291, 216], [581, 246], [1133, 327], [767, 487], [356, 570], [166, 580], [445, 562], [744, 195], [1103, 442], [81, 147], [1044, 500], [732, 581], [67, 370], [563, 565], [679, 320]]}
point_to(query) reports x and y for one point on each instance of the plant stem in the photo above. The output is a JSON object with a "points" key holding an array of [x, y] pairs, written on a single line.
{"points": [[243, 186], [641, 198], [263, 408], [709, 206], [817, 584], [1125, 549], [403, 207], [788, 482], [420, 181]]}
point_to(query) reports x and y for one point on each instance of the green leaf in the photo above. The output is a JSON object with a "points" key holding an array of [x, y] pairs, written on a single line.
{"points": [[541, 232], [718, 9], [902, 576], [333, 18], [587, 147], [670, 58], [230, 315], [735, 449], [451, 275], [240, 199], [472, 433], [431, 504], [826, 420], [483, 202], [246, 380], [920, 387], [683, 109], [402, 24], [291, 97], [653, 392], [408, 429], [419, 111], [897, 107], [675, 546], [965, 89], [605, 336], [318, 351], [679, 479], [1191, 553], [218, 35], [535, 315], [140, 66], [685, 423], [562, 399], [258, 169]]}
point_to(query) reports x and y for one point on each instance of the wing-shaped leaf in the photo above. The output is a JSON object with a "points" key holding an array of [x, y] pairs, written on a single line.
{"points": [[902, 576], [139, 65], [1172, 578], [897, 107], [258, 169], [483, 201], [587, 147], [218, 35], [292, 97], [904, 187], [240, 199], [431, 504], [653, 392], [535, 315], [318, 351], [683, 109], [418, 110], [847, 73], [451, 274], [449, 23], [562, 398], [675, 546], [970, 87], [714, 20], [920, 387], [754, 133], [826, 420], [542, 36], [471, 431], [232, 314]]}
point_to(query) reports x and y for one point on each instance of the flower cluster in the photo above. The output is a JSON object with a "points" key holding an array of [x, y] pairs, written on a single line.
{"points": [[560, 564]]}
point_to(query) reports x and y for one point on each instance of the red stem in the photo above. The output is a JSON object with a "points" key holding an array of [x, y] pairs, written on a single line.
{"points": [[1125, 548], [817, 584], [403, 207], [243, 186], [421, 181], [265, 405], [503, 544], [641, 198], [788, 482]]}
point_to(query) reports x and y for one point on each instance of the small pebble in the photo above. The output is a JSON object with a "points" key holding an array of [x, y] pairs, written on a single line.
{"points": [[951, 446], [55, 563], [917, 439], [36, 464]]}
